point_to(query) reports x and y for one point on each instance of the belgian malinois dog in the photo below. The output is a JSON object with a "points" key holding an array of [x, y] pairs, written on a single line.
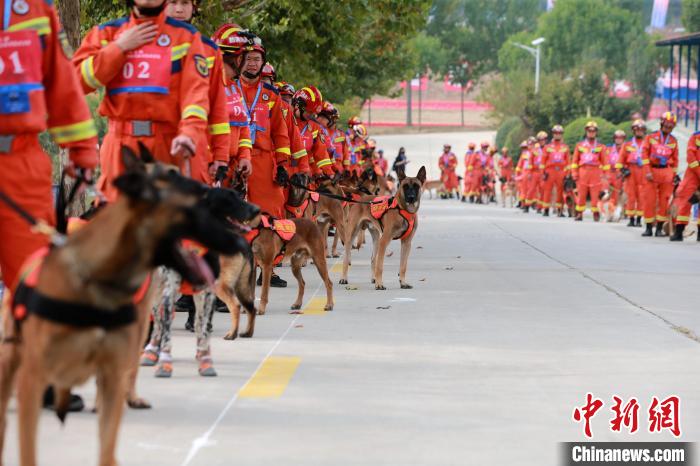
{"points": [[73, 311], [386, 219], [307, 241]]}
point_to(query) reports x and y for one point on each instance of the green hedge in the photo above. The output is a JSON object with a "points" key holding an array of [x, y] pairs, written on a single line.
{"points": [[514, 138], [505, 128], [575, 132]]}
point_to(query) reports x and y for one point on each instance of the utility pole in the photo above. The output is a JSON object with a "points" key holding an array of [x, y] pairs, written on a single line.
{"points": [[535, 52]]}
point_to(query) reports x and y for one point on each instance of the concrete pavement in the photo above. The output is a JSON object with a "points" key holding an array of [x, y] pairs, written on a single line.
{"points": [[513, 319]]}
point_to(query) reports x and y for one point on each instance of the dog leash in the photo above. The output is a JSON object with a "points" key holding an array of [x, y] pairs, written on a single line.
{"points": [[333, 196], [38, 225]]}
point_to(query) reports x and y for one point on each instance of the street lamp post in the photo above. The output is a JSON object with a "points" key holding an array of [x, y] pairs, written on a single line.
{"points": [[535, 53]]}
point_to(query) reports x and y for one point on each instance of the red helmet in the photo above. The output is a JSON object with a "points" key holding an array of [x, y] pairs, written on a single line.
{"points": [[354, 121], [254, 44], [670, 117], [285, 88], [308, 98], [231, 38], [268, 71], [329, 111], [471, 145]]}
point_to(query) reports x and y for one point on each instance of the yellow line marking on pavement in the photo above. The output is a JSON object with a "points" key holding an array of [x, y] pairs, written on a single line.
{"points": [[272, 378], [315, 306], [337, 267]]}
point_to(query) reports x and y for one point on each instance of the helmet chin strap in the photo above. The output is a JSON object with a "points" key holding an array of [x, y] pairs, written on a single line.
{"points": [[250, 75]]}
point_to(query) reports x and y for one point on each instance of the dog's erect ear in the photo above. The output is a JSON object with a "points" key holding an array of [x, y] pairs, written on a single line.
{"points": [[400, 173], [132, 184], [421, 175], [145, 154], [132, 162]]}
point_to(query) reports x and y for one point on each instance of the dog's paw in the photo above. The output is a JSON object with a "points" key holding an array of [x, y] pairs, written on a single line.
{"points": [[247, 335], [328, 307], [295, 307], [138, 403], [406, 286], [373, 280], [343, 281], [231, 335], [379, 287]]}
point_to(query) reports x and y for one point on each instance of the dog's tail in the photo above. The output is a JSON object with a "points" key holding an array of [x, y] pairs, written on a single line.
{"points": [[61, 402]]}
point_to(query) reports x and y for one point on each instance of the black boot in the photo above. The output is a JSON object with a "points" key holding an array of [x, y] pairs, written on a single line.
{"points": [[677, 233], [660, 230], [639, 221], [545, 213], [275, 281], [649, 230], [698, 239], [75, 404], [560, 212], [220, 306], [189, 325], [631, 222], [519, 205], [185, 303], [526, 209], [579, 217]]}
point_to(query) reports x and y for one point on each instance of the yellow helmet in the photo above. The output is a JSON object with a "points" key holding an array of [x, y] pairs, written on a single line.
{"points": [[542, 135], [591, 124], [639, 124]]}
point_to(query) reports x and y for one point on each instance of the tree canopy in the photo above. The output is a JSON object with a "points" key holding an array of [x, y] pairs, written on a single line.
{"points": [[348, 48]]}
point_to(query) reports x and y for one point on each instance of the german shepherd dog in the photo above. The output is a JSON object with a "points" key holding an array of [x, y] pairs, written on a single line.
{"points": [[74, 315], [570, 195], [398, 220]]}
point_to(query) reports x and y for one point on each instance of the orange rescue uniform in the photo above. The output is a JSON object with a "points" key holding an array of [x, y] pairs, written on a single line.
{"points": [[660, 159], [691, 180], [38, 91], [588, 165], [634, 183], [555, 162], [152, 94], [270, 137]]}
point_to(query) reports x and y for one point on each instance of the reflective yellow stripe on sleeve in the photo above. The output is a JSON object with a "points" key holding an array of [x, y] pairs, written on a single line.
{"points": [[694, 164], [245, 143], [75, 132], [323, 163], [284, 150], [574, 166], [299, 154], [645, 162], [219, 128], [87, 70], [194, 111]]}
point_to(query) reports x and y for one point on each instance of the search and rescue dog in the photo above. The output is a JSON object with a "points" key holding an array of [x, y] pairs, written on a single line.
{"points": [[73, 312], [386, 218]]}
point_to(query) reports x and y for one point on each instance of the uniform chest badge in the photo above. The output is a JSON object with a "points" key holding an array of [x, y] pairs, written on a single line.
{"points": [[163, 40], [265, 97], [20, 7], [200, 63]]}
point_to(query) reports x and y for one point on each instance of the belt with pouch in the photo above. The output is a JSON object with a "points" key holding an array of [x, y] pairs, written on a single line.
{"points": [[140, 128], [6, 141]]}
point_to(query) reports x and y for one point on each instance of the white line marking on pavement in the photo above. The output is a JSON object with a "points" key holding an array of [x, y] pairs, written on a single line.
{"points": [[403, 300], [203, 440]]}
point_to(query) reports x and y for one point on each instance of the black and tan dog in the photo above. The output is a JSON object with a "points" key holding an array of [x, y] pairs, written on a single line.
{"points": [[73, 311], [387, 218], [294, 239]]}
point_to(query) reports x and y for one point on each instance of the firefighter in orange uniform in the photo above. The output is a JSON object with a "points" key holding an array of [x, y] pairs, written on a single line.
{"points": [[307, 102], [632, 173], [688, 187], [359, 145], [467, 194], [268, 131], [328, 117], [555, 161], [35, 89], [230, 38], [214, 149], [299, 159], [538, 169], [156, 77], [523, 174], [659, 163], [448, 166], [614, 179], [587, 166], [505, 169]]}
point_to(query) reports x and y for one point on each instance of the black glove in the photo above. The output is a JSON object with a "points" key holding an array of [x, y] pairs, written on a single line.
{"points": [[502, 179], [282, 177], [221, 173], [545, 176], [676, 180], [625, 172]]}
